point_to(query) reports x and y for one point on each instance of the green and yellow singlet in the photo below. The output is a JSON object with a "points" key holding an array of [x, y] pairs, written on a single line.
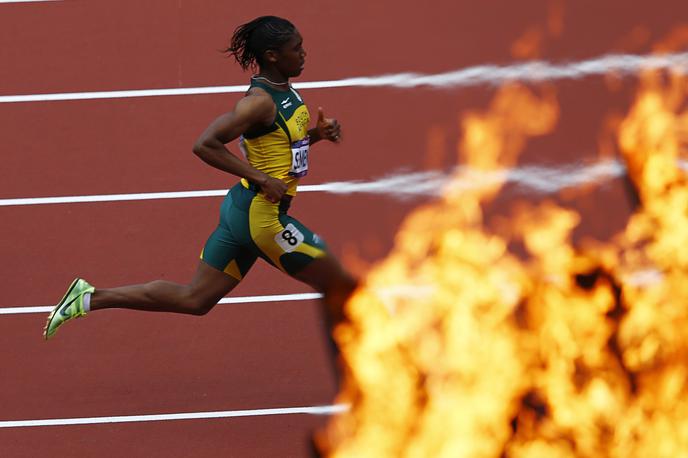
{"points": [[280, 150]]}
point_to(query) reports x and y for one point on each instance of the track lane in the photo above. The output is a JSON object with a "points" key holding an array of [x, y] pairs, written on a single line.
{"points": [[121, 53], [184, 48], [133, 242], [144, 145], [124, 363]]}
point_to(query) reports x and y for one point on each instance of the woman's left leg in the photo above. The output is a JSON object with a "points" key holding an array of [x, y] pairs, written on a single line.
{"points": [[295, 249]]}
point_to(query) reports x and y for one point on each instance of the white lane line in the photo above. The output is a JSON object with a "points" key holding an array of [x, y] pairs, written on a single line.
{"points": [[133, 196], [272, 298], [28, 1], [121, 94], [226, 300], [111, 197], [315, 410], [529, 71]]}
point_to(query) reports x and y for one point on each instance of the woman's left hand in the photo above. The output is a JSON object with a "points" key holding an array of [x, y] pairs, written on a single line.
{"points": [[328, 128]]}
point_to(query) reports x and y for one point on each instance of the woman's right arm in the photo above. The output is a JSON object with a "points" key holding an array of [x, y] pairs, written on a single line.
{"points": [[250, 111]]}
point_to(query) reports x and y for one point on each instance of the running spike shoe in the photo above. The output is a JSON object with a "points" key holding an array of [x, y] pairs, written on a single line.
{"points": [[71, 306]]}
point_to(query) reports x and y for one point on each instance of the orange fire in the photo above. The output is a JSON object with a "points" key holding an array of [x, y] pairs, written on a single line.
{"points": [[456, 347]]}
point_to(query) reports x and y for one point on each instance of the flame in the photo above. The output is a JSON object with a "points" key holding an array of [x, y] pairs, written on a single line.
{"points": [[528, 45], [456, 347], [531, 42]]}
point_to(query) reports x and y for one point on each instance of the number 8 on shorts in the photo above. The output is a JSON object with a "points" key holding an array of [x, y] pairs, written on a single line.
{"points": [[289, 238]]}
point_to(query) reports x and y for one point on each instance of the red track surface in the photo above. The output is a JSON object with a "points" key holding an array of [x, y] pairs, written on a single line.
{"points": [[240, 356]]}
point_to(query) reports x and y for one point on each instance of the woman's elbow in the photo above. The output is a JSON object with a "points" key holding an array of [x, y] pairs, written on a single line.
{"points": [[208, 146], [200, 148]]}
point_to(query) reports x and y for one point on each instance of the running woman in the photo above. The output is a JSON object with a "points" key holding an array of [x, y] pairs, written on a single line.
{"points": [[271, 123]]}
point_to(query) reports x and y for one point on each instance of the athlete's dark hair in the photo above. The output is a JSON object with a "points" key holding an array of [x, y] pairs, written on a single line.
{"points": [[252, 39]]}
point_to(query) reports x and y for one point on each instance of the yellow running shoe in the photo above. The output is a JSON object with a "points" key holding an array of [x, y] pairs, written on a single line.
{"points": [[71, 306]]}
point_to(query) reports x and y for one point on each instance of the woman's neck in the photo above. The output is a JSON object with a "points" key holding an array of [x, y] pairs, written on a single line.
{"points": [[273, 78]]}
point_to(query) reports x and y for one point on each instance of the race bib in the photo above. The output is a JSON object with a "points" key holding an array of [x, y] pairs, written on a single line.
{"points": [[289, 238], [299, 157]]}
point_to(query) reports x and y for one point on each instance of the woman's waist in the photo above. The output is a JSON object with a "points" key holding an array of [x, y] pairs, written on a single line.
{"points": [[288, 163], [247, 186], [292, 182]]}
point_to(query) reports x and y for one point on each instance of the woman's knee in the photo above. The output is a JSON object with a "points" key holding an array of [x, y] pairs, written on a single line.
{"points": [[187, 300], [208, 286], [324, 275], [198, 305], [338, 284], [201, 308]]}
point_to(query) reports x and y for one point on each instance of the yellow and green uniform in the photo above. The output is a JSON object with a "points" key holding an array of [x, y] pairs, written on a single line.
{"points": [[280, 150], [251, 226]]}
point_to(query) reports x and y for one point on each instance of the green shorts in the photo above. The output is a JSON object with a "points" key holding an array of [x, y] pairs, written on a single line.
{"points": [[251, 227]]}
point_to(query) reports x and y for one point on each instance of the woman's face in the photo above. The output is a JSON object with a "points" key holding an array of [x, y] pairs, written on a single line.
{"points": [[291, 57]]}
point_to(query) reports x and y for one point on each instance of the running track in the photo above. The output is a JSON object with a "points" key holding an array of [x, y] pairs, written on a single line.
{"points": [[252, 355]]}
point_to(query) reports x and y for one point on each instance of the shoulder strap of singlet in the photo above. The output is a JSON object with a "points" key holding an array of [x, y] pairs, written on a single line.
{"points": [[279, 121], [255, 133]]}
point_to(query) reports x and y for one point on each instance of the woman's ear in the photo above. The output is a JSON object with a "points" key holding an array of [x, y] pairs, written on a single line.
{"points": [[270, 56]]}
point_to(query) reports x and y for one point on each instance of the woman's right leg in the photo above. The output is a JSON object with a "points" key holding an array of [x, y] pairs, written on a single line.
{"points": [[207, 287], [224, 262]]}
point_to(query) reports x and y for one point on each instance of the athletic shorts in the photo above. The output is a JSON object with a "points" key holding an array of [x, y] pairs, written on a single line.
{"points": [[251, 227]]}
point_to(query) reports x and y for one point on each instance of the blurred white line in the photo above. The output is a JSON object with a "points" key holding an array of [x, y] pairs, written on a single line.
{"points": [[528, 179], [489, 74]]}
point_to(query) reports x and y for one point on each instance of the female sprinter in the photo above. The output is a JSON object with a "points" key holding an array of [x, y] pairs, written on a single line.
{"points": [[271, 123]]}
